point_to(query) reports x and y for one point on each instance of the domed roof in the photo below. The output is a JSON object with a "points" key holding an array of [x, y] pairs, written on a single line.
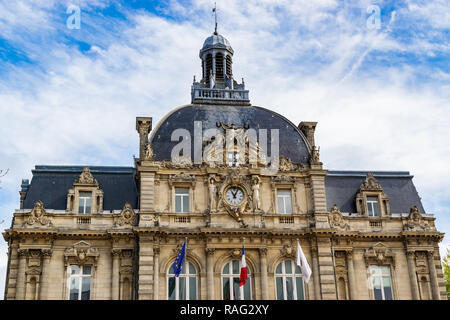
{"points": [[293, 144], [216, 41]]}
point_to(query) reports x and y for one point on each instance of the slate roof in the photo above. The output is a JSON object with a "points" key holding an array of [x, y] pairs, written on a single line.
{"points": [[51, 183], [342, 186], [293, 143]]}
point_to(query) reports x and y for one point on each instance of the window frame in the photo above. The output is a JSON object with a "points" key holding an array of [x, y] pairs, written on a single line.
{"points": [[188, 195], [187, 282], [370, 204], [294, 275], [231, 276], [80, 278], [380, 276], [80, 198], [284, 200]]}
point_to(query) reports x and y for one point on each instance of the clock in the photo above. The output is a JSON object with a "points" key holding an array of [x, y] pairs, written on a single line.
{"points": [[234, 196]]}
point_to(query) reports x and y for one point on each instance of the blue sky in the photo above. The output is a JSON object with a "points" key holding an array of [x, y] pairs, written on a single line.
{"points": [[380, 96]]}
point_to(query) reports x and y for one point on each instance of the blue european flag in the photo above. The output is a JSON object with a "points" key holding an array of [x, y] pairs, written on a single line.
{"points": [[179, 261]]}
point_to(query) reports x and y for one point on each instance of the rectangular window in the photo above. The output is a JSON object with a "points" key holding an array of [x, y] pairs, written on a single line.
{"points": [[84, 202], [80, 282], [284, 201], [372, 207], [181, 200], [233, 159], [381, 282]]}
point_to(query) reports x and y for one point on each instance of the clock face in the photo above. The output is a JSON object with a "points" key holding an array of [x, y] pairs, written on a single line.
{"points": [[234, 196]]}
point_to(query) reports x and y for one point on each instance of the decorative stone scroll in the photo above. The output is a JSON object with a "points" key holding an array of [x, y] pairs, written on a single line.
{"points": [[81, 253], [38, 215], [379, 254], [86, 177], [415, 221], [370, 184], [337, 219], [127, 216]]}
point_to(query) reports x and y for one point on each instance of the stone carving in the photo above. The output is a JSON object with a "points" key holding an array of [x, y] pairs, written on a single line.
{"points": [[285, 164], [415, 221], [371, 183], [38, 214], [181, 161], [288, 251], [127, 216], [379, 254], [86, 177], [282, 179], [337, 219], [256, 197], [212, 195], [148, 153], [315, 156], [181, 177], [81, 253]]}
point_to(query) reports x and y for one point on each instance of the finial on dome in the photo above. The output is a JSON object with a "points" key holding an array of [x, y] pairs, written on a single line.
{"points": [[215, 15]]}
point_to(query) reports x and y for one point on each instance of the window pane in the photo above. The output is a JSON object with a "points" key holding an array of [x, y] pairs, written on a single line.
{"points": [[74, 269], [186, 204], [74, 288], [172, 288], [281, 208], [279, 282], [226, 269], [289, 288], [191, 268], [181, 191], [299, 283], [278, 270], [297, 269], [171, 269], [226, 289], [236, 292], [86, 270], [88, 205], [377, 289], [288, 204], [81, 206], [181, 288], [387, 288], [192, 288], [236, 267], [86, 288], [247, 290], [178, 203], [288, 266]]}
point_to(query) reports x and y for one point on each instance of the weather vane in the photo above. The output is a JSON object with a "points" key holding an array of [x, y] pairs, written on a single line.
{"points": [[215, 16]]}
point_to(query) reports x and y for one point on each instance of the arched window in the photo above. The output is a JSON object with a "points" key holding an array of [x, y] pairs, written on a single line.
{"points": [[230, 282], [219, 66], [183, 287], [208, 65], [289, 281], [229, 66]]}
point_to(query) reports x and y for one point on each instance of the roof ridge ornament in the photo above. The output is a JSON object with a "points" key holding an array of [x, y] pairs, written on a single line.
{"points": [[370, 183], [86, 177]]}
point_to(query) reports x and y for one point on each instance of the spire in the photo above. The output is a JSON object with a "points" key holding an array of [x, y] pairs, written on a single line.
{"points": [[215, 17]]}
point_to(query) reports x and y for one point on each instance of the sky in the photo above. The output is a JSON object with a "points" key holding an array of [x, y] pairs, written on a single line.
{"points": [[375, 75]]}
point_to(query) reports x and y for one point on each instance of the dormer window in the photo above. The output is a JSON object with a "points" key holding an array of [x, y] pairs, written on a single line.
{"points": [[373, 207], [84, 202], [233, 159]]}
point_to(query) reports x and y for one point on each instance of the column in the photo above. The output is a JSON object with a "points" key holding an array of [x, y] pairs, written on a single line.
{"points": [[20, 285], [433, 276], [115, 274], [412, 275], [351, 275], [264, 282], [45, 277], [210, 273], [315, 273], [156, 274]]}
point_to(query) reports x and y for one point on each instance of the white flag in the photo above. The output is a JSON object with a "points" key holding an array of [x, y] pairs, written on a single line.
{"points": [[303, 263]]}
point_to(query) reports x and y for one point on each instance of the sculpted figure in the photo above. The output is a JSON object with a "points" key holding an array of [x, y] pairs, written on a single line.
{"points": [[212, 195], [256, 198]]}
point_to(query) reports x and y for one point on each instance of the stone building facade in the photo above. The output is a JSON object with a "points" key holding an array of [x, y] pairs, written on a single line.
{"points": [[113, 232]]}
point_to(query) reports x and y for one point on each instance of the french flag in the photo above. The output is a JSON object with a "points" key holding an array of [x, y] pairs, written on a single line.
{"points": [[243, 278]]}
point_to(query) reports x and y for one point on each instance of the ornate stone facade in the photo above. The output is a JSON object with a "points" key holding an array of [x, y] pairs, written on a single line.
{"points": [[132, 228]]}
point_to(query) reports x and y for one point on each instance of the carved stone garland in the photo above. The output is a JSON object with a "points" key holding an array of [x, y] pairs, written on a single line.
{"points": [[337, 219]]}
